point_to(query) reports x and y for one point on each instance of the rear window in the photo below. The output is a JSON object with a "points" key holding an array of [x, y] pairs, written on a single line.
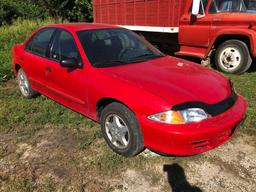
{"points": [[40, 42]]}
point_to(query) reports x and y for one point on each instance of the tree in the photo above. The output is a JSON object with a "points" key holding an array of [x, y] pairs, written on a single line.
{"points": [[11, 10], [60, 10], [71, 10], [81, 11], [55, 8]]}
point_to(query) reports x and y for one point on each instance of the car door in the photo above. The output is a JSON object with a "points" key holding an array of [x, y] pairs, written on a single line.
{"points": [[225, 13], [35, 57], [66, 85], [195, 31]]}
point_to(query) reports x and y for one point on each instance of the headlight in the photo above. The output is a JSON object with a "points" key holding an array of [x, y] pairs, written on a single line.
{"points": [[180, 117]]}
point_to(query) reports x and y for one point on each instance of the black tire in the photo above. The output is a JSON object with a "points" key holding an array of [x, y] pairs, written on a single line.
{"points": [[135, 144], [244, 61], [29, 93]]}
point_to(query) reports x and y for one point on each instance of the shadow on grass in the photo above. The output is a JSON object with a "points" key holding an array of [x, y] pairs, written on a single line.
{"points": [[177, 179]]}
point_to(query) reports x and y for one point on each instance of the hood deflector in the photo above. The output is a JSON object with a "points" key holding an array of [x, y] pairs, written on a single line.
{"points": [[211, 109]]}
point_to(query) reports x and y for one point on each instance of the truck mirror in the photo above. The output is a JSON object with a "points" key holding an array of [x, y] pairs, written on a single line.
{"points": [[198, 8]]}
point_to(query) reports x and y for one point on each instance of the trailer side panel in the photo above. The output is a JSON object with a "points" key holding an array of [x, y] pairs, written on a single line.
{"points": [[153, 13]]}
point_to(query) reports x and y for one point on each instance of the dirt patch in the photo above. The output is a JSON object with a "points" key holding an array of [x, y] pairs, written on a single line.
{"points": [[134, 180], [231, 167], [74, 157], [55, 162], [11, 84]]}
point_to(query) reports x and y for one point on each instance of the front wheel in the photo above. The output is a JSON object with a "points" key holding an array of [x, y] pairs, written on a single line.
{"points": [[121, 130], [233, 56]]}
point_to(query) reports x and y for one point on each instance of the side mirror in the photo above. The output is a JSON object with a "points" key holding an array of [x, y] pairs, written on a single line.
{"points": [[197, 9], [70, 63]]}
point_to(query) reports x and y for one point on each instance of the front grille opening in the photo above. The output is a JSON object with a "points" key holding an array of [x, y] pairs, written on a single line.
{"points": [[200, 147], [200, 144]]}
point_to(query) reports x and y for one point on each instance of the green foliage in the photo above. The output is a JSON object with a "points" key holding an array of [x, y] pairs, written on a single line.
{"points": [[57, 115], [11, 35], [71, 10], [244, 84], [82, 11], [36, 113], [11, 10], [55, 8]]}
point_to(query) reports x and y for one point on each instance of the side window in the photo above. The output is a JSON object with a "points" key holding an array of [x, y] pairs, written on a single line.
{"points": [[227, 6], [213, 7], [40, 42], [64, 47]]}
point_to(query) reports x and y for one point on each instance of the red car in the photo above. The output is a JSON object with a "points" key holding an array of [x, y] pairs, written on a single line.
{"points": [[140, 96]]}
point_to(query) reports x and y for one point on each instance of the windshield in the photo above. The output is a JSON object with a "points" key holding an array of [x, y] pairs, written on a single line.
{"points": [[233, 6], [109, 47]]}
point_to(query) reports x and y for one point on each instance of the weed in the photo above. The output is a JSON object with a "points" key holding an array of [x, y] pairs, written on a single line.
{"points": [[11, 35]]}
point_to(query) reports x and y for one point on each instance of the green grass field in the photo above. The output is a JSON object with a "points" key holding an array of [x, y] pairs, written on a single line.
{"points": [[50, 112], [67, 139], [11, 35]]}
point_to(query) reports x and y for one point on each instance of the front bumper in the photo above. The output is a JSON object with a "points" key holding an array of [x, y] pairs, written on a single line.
{"points": [[194, 138]]}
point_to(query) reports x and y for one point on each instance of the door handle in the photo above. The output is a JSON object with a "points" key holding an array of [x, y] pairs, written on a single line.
{"points": [[217, 19], [48, 69], [185, 19]]}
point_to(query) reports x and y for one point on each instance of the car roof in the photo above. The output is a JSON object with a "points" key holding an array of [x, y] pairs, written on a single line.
{"points": [[81, 26]]}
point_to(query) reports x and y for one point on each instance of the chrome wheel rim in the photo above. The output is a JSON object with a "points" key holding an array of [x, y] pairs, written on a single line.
{"points": [[230, 58], [117, 131], [23, 83]]}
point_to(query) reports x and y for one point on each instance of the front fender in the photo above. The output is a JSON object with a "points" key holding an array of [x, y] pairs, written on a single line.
{"points": [[141, 102], [249, 33]]}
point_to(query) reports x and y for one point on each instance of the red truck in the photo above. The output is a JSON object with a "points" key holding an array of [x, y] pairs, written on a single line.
{"points": [[220, 30]]}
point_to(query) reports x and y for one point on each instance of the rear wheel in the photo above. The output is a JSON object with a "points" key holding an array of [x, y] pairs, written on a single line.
{"points": [[233, 56], [24, 85], [121, 130]]}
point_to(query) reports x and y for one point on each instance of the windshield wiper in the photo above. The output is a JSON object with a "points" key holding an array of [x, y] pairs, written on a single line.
{"points": [[146, 55], [109, 63]]}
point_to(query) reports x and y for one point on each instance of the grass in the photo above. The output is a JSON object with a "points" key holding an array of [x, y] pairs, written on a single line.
{"points": [[25, 118], [17, 112], [29, 186], [50, 112], [41, 111], [11, 35], [245, 85]]}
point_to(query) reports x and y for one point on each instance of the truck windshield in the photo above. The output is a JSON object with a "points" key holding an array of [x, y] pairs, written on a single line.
{"points": [[110, 47], [233, 6]]}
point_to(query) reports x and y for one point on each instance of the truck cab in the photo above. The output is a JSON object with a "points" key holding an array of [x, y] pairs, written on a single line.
{"points": [[221, 30]]}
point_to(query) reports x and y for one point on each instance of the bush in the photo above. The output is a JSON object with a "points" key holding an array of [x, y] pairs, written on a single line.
{"points": [[71, 10], [11, 10], [11, 35], [81, 11]]}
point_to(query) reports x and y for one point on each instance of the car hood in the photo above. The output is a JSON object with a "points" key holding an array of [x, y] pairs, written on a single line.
{"points": [[174, 80]]}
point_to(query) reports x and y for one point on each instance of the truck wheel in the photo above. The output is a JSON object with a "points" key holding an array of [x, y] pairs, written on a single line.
{"points": [[121, 130], [233, 56], [24, 85]]}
